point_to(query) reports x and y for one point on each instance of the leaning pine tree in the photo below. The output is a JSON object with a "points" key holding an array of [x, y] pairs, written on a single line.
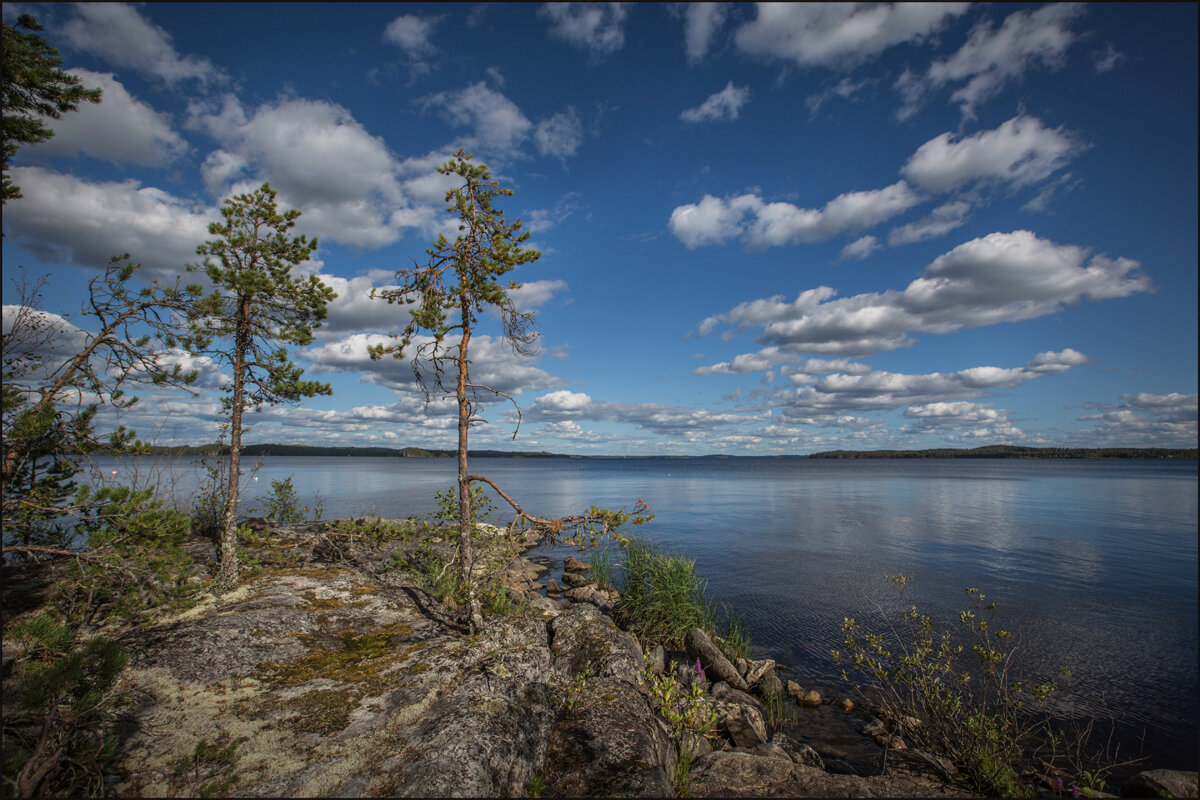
{"points": [[257, 307], [459, 280]]}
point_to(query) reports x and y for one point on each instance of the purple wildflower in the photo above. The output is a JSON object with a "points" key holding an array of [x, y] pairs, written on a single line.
{"points": [[700, 672], [1074, 790]]}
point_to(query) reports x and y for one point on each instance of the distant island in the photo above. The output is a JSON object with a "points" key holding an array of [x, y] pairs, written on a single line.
{"points": [[989, 451], [1010, 451]]}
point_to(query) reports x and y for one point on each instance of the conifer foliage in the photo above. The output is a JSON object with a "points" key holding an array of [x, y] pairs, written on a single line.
{"points": [[257, 308], [34, 89]]}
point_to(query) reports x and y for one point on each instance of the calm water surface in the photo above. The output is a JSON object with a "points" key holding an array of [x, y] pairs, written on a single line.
{"points": [[1093, 562]]}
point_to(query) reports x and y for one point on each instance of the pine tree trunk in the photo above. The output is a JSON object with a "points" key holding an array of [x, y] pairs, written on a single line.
{"points": [[464, 486], [227, 574]]}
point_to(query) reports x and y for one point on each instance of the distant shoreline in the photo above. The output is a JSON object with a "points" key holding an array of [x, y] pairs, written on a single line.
{"points": [[989, 451]]}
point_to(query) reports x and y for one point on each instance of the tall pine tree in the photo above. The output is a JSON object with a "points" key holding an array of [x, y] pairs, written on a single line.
{"points": [[459, 280], [258, 307]]}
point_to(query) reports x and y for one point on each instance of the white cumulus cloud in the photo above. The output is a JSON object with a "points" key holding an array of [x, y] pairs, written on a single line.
{"points": [[839, 34], [994, 57], [122, 36], [120, 129], [1022, 151], [1001, 277], [720, 106], [598, 28], [761, 224]]}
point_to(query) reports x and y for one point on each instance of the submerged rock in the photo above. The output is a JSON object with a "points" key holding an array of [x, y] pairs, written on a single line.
{"points": [[726, 773]]}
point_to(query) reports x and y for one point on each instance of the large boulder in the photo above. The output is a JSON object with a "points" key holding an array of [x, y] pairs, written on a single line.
{"points": [[716, 666], [610, 746], [744, 725], [333, 682], [1161, 783], [584, 640]]}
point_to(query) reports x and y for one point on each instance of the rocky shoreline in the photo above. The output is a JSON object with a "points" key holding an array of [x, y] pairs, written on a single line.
{"points": [[330, 672]]}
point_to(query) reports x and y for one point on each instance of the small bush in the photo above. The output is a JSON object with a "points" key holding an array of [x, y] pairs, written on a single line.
{"points": [[58, 720], [135, 562], [959, 693], [448, 512], [499, 600], [210, 771], [435, 575], [282, 505], [375, 532]]}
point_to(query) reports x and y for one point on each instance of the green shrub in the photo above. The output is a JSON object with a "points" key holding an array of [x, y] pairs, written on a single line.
{"points": [[210, 771], [435, 575], [375, 532], [282, 505], [736, 642], [499, 600], [958, 692], [135, 562], [448, 509], [58, 719]]}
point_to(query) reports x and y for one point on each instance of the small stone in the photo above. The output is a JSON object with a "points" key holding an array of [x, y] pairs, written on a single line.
{"points": [[874, 728], [257, 523], [552, 586], [573, 564], [794, 689], [744, 724], [799, 753], [771, 750], [573, 579], [811, 698], [845, 704], [581, 594], [742, 666], [757, 670], [658, 659]]}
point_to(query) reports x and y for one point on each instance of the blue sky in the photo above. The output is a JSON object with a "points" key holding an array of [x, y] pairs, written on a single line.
{"points": [[764, 229]]}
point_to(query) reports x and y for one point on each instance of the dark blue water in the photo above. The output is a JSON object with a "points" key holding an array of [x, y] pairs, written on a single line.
{"points": [[1094, 563]]}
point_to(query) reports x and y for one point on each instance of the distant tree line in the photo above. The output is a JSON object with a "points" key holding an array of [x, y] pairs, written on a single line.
{"points": [[1012, 451], [318, 450]]}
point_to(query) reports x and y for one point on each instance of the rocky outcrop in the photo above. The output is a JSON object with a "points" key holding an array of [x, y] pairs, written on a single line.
{"points": [[1161, 783], [335, 675]]}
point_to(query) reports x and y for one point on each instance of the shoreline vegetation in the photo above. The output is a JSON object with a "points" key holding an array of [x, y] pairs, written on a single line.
{"points": [[988, 451]]}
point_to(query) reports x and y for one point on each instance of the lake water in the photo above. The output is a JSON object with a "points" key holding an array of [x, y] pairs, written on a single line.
{"points": [[1094, 563]]}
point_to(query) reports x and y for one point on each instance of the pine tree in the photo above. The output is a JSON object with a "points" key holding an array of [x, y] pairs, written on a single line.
{"points": [[56, 376], [258, 306], [459, 280], [34, 88]]}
